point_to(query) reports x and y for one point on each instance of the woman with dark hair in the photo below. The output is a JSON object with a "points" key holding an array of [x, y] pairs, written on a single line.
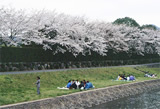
{"points": [[69, 84], [81, 85], [73, 85], [123, 76], [84, 82], [77, 83]]}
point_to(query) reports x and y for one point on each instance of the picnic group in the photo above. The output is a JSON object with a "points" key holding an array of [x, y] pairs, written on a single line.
{"points": [[79, 85], [150, 75], [126, 78]]}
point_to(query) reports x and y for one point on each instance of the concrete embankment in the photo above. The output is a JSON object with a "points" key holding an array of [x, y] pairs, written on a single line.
{"points": [[88, 98]]}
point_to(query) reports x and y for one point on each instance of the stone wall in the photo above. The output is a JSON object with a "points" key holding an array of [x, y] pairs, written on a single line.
{"points": [[25, 66], [88, 98]]}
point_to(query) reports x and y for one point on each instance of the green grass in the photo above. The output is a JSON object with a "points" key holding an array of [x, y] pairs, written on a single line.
{"points": [[19, 87]]}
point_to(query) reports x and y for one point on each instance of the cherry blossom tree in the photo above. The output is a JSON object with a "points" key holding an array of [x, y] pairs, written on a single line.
{"points": [[65, 33], [13, 26]]}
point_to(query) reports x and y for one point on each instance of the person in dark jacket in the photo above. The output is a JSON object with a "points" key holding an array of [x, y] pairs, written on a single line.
{"points": [[81, 85], [73, 85]]}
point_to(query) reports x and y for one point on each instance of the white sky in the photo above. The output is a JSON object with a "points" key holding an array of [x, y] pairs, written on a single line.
{"points": [[143, 11]]}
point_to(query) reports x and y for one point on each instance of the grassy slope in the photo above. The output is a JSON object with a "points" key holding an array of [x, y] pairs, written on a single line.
{"points": [[19, 87]]}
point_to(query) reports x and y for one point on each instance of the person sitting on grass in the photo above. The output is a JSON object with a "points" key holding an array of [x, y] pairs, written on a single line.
{"points": [[128, 77], [77, 83], [132, 78], [88, 85], [123, 76], [120, 78], [69, 84], [73, 85], [81, 86], [147, 74]]}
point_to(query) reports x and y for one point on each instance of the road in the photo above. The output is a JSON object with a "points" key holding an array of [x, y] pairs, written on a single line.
{"points": [[54, 70]]}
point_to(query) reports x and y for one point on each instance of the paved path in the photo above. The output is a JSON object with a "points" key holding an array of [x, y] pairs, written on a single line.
{"points": [[54, 70]]}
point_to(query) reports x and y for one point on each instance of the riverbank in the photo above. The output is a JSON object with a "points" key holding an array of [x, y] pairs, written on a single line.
{"points": [[92, 97], [19, 87]]}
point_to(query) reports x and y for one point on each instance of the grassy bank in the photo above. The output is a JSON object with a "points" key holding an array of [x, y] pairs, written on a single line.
{"points": [[19, 87]]}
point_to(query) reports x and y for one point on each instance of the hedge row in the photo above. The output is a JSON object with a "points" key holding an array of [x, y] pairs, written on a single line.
{"points": [[27, 54]]}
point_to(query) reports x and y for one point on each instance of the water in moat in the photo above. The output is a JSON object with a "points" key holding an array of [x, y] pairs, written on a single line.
{"points": [[148, 100]]}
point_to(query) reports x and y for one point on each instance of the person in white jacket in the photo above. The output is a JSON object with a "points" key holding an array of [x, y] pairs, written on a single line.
{"points": [[77, 83]]}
